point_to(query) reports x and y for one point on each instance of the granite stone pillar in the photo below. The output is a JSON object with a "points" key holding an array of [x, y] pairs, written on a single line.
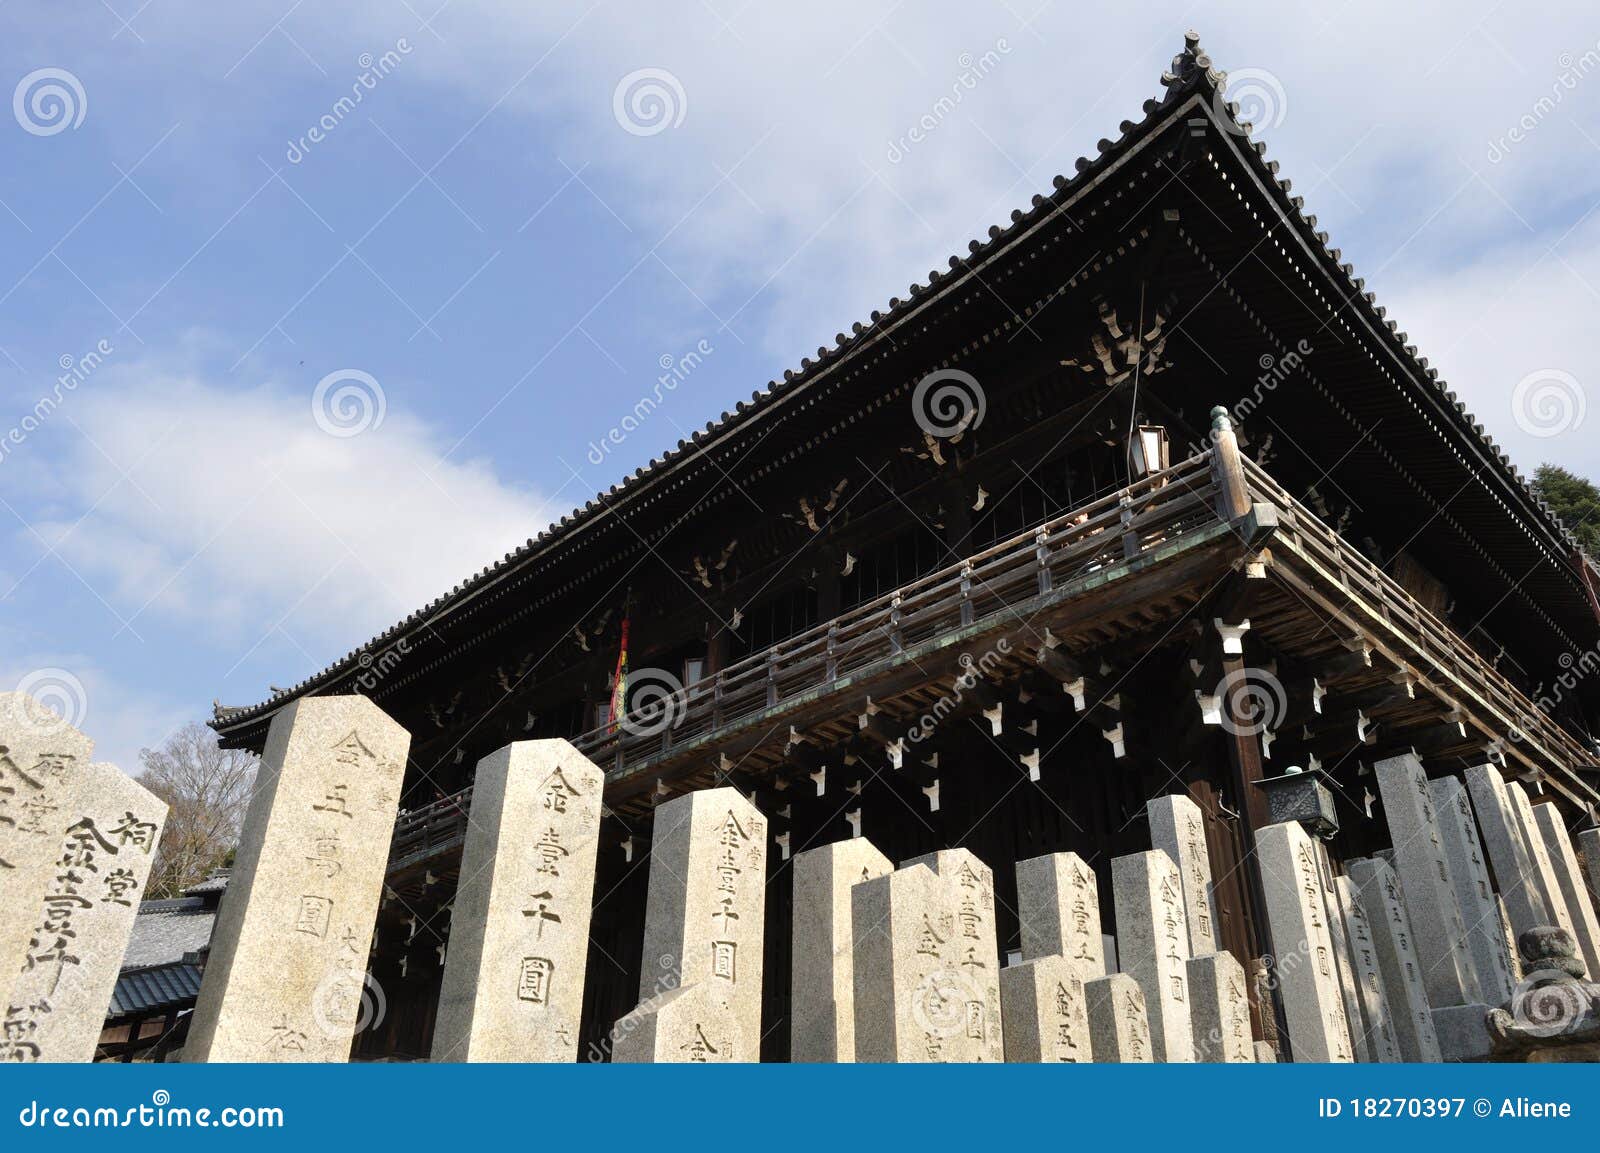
{"points": [[1589, 846], [1119, 1024], [519, 927], [1569, 879], [703, 934], [1470, 874], [1508, 852], [80, 932], [41, 759], [822, 1024], [1058, 903], [1153, 946], [287, 979], [1544, 873], [1375, 1022], [1302, 946], [1424, 871], [1221, 1009], [1177, 828], [1045, 1011], [1378, 892]]}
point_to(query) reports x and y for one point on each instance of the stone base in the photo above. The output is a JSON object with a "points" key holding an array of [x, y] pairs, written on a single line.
{"points": [[1265, 1054], [1463, 1032]]}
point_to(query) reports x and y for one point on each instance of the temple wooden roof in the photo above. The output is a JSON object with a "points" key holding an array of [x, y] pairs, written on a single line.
{"points": [[1373, 380]]}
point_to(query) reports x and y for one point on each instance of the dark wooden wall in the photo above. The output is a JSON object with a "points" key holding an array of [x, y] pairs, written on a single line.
{"points": [[1086, 802]]}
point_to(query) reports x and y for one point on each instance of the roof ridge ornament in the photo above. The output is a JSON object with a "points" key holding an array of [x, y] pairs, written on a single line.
{"points": [[1188, 64]]}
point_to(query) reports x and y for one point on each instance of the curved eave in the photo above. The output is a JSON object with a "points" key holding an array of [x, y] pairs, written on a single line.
{"points": [[766, 404], [1193, 87]]}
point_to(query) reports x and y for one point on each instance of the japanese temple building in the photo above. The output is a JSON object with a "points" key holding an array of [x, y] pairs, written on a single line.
{"points": [[988, 572]]}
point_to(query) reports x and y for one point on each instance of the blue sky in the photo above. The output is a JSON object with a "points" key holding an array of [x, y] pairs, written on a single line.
{"points": [[506, 249]]}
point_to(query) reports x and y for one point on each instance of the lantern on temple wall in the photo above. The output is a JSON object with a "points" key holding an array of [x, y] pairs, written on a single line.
{"points": [[1148, 450]]}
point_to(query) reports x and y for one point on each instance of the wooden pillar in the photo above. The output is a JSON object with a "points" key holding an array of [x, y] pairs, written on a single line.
{"points": [[828, 592], [1244, 761], [957, 516], [1233, 494]]}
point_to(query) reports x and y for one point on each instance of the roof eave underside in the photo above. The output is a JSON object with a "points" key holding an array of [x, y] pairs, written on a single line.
{"points": [[1192, 94]]}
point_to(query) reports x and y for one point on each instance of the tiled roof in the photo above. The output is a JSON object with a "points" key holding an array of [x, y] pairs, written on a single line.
{"points": [[1190, 73], [215, 883], [165, 932], [145, 992]]}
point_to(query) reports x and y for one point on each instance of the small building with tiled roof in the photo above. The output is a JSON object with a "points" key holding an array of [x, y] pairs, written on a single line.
{"points": [[160, 976]]}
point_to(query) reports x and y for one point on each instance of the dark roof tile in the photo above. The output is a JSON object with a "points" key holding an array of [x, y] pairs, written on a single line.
{"points": [[1191, 71], [145, 992]]}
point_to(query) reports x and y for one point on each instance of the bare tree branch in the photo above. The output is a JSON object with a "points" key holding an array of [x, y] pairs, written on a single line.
{"points": [[207, 789]]}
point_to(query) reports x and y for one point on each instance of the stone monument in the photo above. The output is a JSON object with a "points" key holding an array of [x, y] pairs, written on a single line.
{"points": [[822, 982], [703, 933], [519, 927], [287, 977]]}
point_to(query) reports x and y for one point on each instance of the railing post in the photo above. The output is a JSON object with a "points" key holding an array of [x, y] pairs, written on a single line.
{"points": [[1233, 493], [831, 667], [716, 701], [772, 677], [894, 624], [966, 593], [1130, 539], [1041, 558]]}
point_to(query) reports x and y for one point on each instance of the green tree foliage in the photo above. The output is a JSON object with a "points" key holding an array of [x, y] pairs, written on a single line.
{"points": [[1575, 500]]}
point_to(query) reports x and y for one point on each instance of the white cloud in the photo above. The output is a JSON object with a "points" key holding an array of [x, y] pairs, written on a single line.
{"points": [[180, 500], [121, 717], [775, 200], [1524, 311]]}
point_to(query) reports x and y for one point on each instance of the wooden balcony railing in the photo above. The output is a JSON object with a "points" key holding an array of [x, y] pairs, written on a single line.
{"points": [[1120, 526], [1005, 578], [420, 832], [1439, 651]]}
